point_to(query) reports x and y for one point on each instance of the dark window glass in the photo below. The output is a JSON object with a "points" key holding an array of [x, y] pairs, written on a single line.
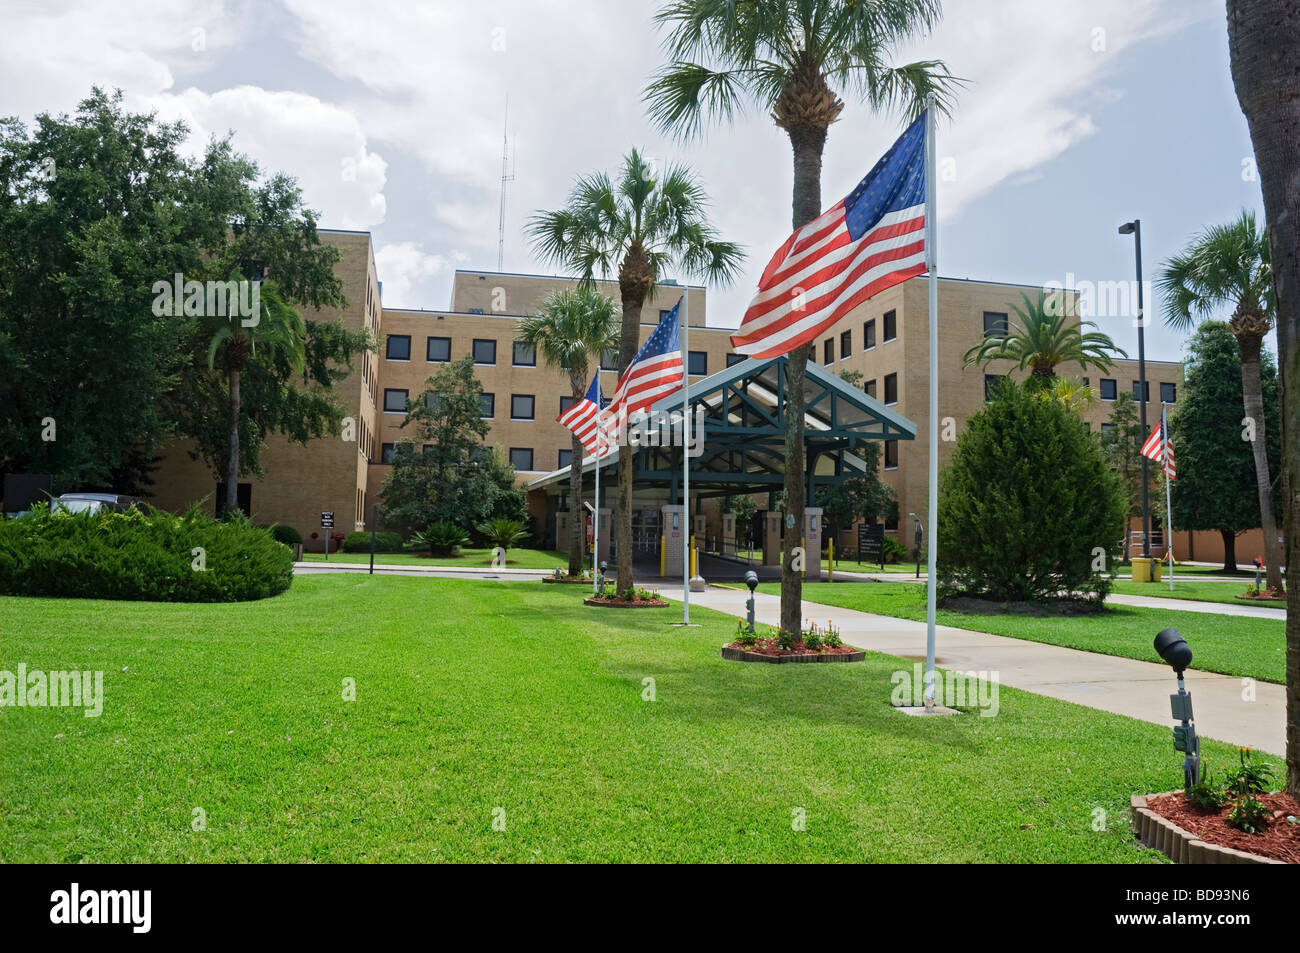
{"points": [[734, 359], [433, 402], [566, 458], [891, 454], [891, 325], [891, 388], [870, 387], [846, 344], [1139, 393], [1109, 388], [891, 520], [566, 403], [394, 400], [399, 347], [995, 324], [828, 351], [521, 406], [663, 313], [521, 458], [869, 335], [487, 404], [609, 360], [386, 453], [438, 350], [1169, 393], [525, 355], [485, 351], [698, 363], [991, 384]]}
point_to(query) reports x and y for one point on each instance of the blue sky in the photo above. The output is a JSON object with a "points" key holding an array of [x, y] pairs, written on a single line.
{"points": [[1081, 114]]}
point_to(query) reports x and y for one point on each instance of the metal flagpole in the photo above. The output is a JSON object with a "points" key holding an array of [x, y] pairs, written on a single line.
{"points": [[595, 516], [683, 329], [931, 227], [1169, 512]]}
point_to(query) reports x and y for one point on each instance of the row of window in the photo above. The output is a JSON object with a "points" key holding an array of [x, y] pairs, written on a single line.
{"points": [[522, 406], [1108, 388], [890, 329], [437, 350], [521, 458]]}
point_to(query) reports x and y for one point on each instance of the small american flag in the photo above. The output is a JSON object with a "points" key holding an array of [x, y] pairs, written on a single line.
{"points": [[656, 371], [1160, 447], [871, 240], [583, 419]]}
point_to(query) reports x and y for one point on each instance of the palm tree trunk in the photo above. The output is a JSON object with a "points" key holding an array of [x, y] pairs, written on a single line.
{"points": [[1253, 399], [1264, 43], [232, 459], [576, 526], [807, 144], [632, 297]]}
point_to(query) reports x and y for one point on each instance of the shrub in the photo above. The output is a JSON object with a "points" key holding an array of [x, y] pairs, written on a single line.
{"points": [[1205, 793], [384, 543], [502, 532], [1250, 777], [286, 534], [893, 550], [1028, 504], [440, 539], [146, 555], [1249, 815]]}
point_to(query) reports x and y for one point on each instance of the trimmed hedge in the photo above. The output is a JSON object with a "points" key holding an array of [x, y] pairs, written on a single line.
{"points": [[286, 534], [145, 556], [384, 543]]}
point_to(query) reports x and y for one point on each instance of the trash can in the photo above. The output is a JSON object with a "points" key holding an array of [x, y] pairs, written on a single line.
{"points": [[1142, 568], [1157, 565]]}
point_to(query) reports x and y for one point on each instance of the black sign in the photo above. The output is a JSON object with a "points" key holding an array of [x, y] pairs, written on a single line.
{"points": [[871, 543], [327, 519]]}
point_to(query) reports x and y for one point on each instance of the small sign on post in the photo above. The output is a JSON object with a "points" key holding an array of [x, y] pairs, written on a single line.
{"points": [[871, 543], [327, 523]]}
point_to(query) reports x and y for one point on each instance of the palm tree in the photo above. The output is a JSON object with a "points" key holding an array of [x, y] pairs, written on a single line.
{"points": [[281, 332], [640, 226], [571, 331], [792, 59], [1228, 265], [1046, 335], [1071, 392]]}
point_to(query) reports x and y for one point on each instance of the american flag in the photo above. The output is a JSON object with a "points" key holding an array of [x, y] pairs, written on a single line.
{"points": [[583, 419], [656, 371], [868, 242], [1160, 447]]}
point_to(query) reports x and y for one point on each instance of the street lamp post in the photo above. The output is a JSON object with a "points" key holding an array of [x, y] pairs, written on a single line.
{"points": [[1134, 228]]}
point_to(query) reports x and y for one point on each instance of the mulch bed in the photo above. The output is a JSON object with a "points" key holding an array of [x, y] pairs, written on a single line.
{"points": [[624, 603], [1279, 841], [1270, 595], [769, 650], [567, 580]]}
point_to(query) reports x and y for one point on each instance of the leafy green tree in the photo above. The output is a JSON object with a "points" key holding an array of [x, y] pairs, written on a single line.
{"points": [[641, 226], [1044, 336], [1121, 441], [792, 60], [857, 498], [1228, 266], [1028, 504], [453, 477], [1215, 486], [571, 331]]}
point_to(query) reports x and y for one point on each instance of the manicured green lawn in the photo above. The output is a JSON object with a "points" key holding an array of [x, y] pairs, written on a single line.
{"points": [[468, 558], [1232, 645], [1226, 592], [483, 700]]}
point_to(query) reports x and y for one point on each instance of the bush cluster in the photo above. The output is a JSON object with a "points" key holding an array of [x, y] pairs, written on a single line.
{"points": [[384, 543], [151, 556]]}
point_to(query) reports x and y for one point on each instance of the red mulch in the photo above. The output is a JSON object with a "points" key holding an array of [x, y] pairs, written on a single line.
{"points": [[771, 646], [1279, 841], [625, 603], [1261, 596]]}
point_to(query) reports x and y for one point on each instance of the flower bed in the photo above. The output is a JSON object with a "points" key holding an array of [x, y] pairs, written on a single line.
{"points": [[812, 644], [627, 599], [567, 580]]}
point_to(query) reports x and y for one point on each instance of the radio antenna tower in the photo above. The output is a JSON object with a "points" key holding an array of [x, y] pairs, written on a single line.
{"points": [[507, 175]]}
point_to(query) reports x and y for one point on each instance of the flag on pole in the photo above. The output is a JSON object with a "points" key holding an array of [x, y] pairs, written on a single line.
{"points": [[1160, 447], [583, 419], [656, 371], [871, 240]]}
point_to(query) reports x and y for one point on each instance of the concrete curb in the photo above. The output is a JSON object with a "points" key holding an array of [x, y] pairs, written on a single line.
{"points": [[1180, 846]]}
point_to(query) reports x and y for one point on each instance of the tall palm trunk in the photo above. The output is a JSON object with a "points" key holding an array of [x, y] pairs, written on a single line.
{"points": [[232, 459], [634, 280], [1253, 399], [1264, 43]]}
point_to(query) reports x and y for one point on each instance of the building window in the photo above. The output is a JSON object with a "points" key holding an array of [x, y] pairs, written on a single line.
{"points": [[891, 521], [828, 351], [891, 325], [991, 384], [869, 335], [438, 350], [995, 324], [1105, 428], [399, 347], [1168, 393], [521, 406], [698, 363], [870, 387], [1140, 393], [733, 359], [525, 355], [846, 344], [1109, 389], [891, 454], [891, 388], [663, 313], [609, 359], [485, 351], [433, 402], [566, 459], [566, 403], [487, 405], [521, 458], [386, 452], [394, 400]]}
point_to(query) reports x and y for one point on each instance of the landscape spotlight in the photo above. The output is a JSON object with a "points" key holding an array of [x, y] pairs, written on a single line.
{"points": [[751, 580], [1171, 647]]}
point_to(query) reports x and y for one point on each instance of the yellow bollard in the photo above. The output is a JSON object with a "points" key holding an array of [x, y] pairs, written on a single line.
{"points": [[830, 560], [663, 554], [694, 557]]}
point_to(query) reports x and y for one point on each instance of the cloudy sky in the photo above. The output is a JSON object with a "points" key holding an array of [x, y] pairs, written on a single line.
{"points": [[1081, 114]]}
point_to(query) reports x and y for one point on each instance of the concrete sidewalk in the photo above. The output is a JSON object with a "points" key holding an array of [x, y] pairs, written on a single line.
{"points": [[437, 572], [1120, 685], [1195, 605]]}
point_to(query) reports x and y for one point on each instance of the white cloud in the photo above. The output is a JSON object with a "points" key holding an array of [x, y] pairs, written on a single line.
{"points": [[402, 265]]}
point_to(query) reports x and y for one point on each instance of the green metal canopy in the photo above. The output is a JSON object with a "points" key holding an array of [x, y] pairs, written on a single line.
{"points": [[744, 424]]}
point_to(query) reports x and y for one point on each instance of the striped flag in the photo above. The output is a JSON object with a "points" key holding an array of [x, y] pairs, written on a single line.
{"points": [[656, 371], [870, 241], [1160, 447], [583, 419]]}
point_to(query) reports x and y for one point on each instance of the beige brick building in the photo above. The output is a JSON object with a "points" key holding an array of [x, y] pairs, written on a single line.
{"points": [[885, 339]]}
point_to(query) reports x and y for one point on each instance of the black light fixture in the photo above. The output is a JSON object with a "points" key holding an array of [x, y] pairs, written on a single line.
{"points": [[1173, 648], [751, 580]]}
